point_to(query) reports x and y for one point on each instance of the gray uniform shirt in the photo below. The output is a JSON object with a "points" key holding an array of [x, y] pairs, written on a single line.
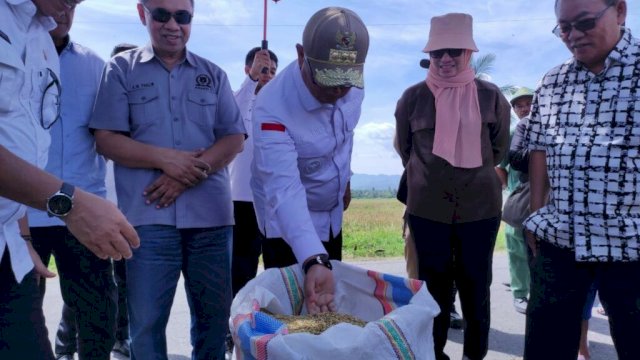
{"points": [[187, 108]]}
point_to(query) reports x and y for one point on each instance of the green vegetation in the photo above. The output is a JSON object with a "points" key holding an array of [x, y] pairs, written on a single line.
{"points": [[374, 193], [373, 228]]}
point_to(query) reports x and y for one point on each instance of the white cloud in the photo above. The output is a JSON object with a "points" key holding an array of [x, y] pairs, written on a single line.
{"points": [[373, 151], [518, 32]]}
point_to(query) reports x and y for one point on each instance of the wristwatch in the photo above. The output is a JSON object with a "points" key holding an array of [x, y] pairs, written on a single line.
{"points": [[60, 203], [321, 259]]}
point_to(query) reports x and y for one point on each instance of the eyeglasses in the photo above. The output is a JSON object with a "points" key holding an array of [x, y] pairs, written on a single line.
{"points": [[437, 54], [583, 25], [161, 15], [50, 102]]}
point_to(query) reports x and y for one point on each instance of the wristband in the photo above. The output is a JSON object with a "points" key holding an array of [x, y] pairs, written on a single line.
{"points": [[321, 259]]}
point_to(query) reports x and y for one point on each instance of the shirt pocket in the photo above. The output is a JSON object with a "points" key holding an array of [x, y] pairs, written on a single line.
{"points": [[144, 107], [11, 71], [9, 88], [201, 108]]}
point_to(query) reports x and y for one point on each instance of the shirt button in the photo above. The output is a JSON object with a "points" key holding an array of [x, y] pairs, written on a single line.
{"points": [[144, 98], [173, 98], [178, 142], [202, 101], [175, 119]]}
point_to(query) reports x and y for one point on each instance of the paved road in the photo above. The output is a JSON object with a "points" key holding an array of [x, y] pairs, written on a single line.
{"points": [[507, 326]]}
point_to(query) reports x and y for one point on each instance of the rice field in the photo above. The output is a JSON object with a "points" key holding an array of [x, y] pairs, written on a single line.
{"points": [[373, 228]]}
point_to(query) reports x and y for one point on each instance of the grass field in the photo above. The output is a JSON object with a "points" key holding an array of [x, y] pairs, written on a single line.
{"points": [[373, 228]]}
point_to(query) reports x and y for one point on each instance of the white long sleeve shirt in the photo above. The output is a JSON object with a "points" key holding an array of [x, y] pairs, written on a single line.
{"points": [[240, 167], [302, 161], [28, 64]]}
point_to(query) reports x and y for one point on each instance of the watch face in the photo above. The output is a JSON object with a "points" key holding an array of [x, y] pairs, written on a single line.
{"points": [[59, 205]]}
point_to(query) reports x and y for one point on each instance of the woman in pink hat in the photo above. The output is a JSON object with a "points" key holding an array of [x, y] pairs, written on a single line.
{"points": [[452, 130]]}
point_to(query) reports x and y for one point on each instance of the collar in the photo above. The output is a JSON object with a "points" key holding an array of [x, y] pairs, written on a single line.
{"points": [[67, 45], [625, 52], [147, 54], [626, 49]]}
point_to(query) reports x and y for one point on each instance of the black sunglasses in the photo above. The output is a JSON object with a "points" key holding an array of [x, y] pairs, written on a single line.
{"points": [[161, 15], [583, 25], [437, 54]]}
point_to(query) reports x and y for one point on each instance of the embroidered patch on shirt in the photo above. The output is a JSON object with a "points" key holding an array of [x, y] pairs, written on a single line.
{"points": [[272, 127]]}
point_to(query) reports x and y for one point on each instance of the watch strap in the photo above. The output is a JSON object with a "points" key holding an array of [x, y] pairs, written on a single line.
{"points": [[67, 189], [321, 259]]}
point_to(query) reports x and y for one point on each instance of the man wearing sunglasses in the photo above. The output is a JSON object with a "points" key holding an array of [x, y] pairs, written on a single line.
{"points": [[303, 137], [168, 119], [29, 64], [584, 143]]}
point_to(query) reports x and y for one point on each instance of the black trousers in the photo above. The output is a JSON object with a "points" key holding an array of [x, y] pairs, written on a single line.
{"points": [[122, 315], [23, 333], [88, 289], [462, 252], [247, 245], [559, 287], [277, 253]]}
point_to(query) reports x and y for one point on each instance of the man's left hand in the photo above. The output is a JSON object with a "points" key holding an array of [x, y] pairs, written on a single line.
{"points": [[165, 190]]}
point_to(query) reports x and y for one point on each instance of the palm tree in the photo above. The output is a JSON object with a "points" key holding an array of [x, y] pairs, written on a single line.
{"points": [[483, 65]]}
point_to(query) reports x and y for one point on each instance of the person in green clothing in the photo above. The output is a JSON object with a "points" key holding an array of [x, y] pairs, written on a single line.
{"points": [[516, 245]]}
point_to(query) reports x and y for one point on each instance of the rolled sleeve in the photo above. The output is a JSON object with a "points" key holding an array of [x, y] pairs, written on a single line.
{"points": [[111, 108], [228, 119]]}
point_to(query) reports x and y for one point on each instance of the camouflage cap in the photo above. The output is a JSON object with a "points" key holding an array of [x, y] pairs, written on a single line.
{"points": [[520, 93], [335, 42]]}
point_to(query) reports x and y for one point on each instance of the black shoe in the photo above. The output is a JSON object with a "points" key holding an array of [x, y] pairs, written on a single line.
{"points": [[122, 347], [64, 357], [456, 321]]}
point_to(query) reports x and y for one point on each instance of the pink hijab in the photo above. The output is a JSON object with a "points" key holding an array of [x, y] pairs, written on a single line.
{"points": [[458, 121]]}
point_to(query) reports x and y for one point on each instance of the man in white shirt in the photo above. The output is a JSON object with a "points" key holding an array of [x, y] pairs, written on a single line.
{"points": [[260, 67], [303, 137], [86, 281], [29, 93]]}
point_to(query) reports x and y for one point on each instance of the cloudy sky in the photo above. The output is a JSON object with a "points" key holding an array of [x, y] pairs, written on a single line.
{"points": [[518, 32]]}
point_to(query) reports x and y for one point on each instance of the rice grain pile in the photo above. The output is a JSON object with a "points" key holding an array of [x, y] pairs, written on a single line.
{"points": [[315, 324]]}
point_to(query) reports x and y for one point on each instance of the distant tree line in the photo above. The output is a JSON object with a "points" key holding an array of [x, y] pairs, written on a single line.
{"points": [[374, 193]]}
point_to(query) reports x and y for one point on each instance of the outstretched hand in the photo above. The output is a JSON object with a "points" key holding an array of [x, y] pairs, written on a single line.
{"points": [[319, 290], [100, 226]]}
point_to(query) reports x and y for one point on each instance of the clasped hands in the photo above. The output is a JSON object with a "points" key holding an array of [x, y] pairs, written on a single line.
{"points": [[181, 170]]}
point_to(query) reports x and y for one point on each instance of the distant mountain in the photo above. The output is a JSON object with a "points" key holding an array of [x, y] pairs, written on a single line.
{"points": [[378, 182]]}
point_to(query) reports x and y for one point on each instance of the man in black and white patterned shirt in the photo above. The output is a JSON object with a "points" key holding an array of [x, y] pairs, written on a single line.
{"points": [[584, 138]]}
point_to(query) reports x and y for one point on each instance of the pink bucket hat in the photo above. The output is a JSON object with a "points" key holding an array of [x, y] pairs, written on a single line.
{"points": [[451, 31]]}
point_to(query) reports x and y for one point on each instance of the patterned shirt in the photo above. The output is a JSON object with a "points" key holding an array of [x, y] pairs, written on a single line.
{"points": [[589, 126]]}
